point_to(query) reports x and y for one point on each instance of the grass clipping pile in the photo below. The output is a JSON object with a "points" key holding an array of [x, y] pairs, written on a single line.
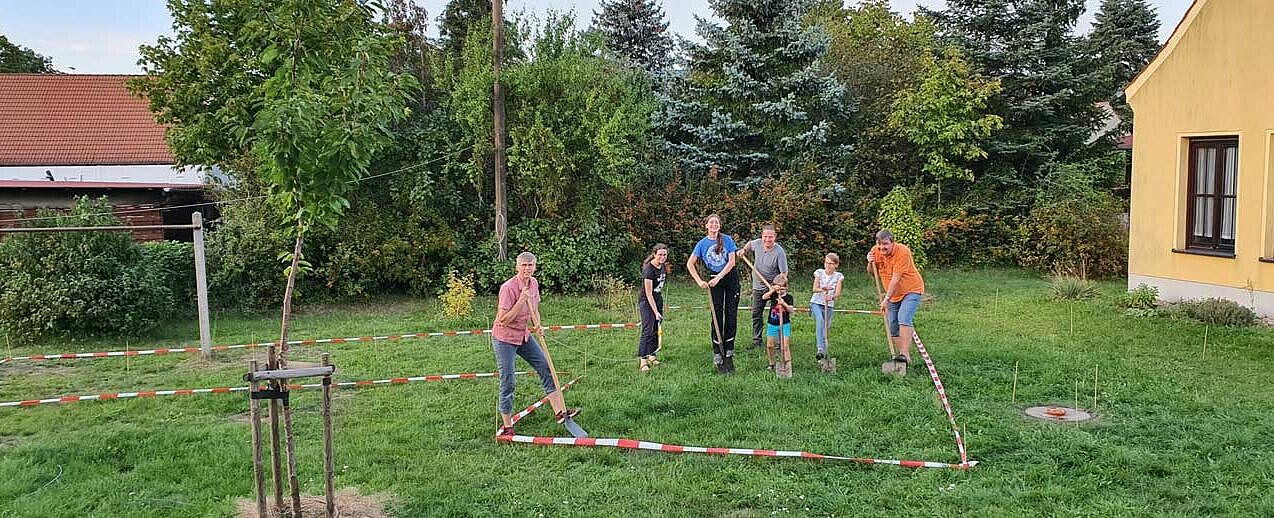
{"points": [[349, 504]]}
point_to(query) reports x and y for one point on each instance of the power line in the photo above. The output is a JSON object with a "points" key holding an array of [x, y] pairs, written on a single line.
{"points": [[222, 202]]}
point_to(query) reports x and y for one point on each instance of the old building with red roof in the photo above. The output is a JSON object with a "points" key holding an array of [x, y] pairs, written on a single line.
{"points": [[69, 135]]}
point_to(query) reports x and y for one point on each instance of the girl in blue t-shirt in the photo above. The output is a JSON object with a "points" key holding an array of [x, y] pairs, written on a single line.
{"points": [[716, 252]]}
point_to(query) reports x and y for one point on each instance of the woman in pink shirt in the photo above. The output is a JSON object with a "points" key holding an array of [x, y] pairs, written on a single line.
{"points": [[511, 336]]}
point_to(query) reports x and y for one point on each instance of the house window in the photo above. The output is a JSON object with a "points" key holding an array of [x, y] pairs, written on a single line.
{"points": [[1210, 218]]}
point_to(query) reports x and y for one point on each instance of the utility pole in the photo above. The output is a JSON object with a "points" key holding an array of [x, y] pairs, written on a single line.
{"points": [[497, 105]]}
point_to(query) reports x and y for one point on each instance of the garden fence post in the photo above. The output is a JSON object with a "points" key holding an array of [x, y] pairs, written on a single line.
{"points": [[201, 287]]}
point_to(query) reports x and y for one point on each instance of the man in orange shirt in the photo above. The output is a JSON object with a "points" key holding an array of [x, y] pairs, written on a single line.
{"points": [[903, 289]]}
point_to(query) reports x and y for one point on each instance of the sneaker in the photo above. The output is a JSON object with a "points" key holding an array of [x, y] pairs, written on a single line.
{"points": [[754, 346], [716, 359], [729, 365], [819, 356], [902, 359], [769, 367], [569, 413], [504, 431]]}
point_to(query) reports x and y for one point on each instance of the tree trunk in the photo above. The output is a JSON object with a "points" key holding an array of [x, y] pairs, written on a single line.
{"points": [[497, 106], [293, 481]]}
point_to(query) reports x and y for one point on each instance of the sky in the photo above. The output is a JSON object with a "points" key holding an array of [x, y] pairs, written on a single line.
{"points": [[102, 36]]}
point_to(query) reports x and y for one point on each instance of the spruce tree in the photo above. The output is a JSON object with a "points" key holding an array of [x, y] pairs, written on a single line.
{"points": [[637, 31], [755, 101], [1125, 38], [1050, 87]]}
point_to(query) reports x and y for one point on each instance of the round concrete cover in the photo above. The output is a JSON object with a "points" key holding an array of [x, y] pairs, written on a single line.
{"points": [[1058, 414]]}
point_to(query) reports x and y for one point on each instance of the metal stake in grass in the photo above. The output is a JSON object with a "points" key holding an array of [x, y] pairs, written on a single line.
{"points": [[1014, 383], [1076, 395], [1205, 342], [1094, 387]]}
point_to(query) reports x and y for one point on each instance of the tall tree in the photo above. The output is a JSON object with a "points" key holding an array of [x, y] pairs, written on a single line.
{"points": [[456, 20], [755, 101], [636, 30], [1049, 87], [299, 91], [876, 53], [944, 117], [1124, 39], [15, 58]]}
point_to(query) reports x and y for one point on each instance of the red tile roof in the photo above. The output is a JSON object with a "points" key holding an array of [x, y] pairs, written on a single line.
{"points": [[44, 184], [76, 119]]}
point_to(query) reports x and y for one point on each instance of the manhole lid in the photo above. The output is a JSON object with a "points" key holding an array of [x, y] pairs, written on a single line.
{"points": [[1058, 414]]}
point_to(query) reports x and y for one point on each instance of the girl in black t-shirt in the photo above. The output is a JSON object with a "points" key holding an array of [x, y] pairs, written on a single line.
{"points": [[650, 304]]}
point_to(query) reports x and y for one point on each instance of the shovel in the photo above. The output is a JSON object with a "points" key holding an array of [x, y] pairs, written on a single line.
{"points": [[570, 424]]}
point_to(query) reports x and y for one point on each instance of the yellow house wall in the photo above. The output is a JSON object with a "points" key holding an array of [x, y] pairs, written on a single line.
{"points": [[1217, 80]]}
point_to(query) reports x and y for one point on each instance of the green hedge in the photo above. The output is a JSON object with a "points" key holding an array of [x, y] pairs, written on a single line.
{"points": [[83, 283]]}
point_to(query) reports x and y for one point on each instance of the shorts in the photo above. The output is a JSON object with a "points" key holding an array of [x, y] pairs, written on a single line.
{"points": [[902, 313], [772, 330]]}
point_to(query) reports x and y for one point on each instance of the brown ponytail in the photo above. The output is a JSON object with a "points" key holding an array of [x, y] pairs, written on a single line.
{"points": [[654, 250], [720, 243]]}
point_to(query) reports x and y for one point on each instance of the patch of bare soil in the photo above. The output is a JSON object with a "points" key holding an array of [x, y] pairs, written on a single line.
{"points": [[349, 504]]}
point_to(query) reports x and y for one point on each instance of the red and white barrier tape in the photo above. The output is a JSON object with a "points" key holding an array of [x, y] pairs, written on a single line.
{"points": [[634, 444], [391, 338], [227, 390], [942, 395]]}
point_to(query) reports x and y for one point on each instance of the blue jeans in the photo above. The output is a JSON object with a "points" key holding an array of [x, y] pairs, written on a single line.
{"points": [[821, 313], [902, 313], [504, 356]]}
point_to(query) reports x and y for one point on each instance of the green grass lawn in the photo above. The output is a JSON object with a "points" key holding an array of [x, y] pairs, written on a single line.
{"points": [[1176, 434]]}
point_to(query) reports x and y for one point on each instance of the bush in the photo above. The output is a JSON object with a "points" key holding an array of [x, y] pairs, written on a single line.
{"points": [[243, 269], [1219, 312], [1141, 297], [1070, 287], [971, 239], [613, 293], [457, 301], [1078, 234], [897, 215], [171, 264], [569, 255], [79, 282]]}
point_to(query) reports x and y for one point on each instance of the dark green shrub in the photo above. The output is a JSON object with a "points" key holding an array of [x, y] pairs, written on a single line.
{"points": [[243, 266], [966, 239], [171, 265], [378, 250], [1219, 312], [78, 283], [1081, 235], [570, 255]]}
